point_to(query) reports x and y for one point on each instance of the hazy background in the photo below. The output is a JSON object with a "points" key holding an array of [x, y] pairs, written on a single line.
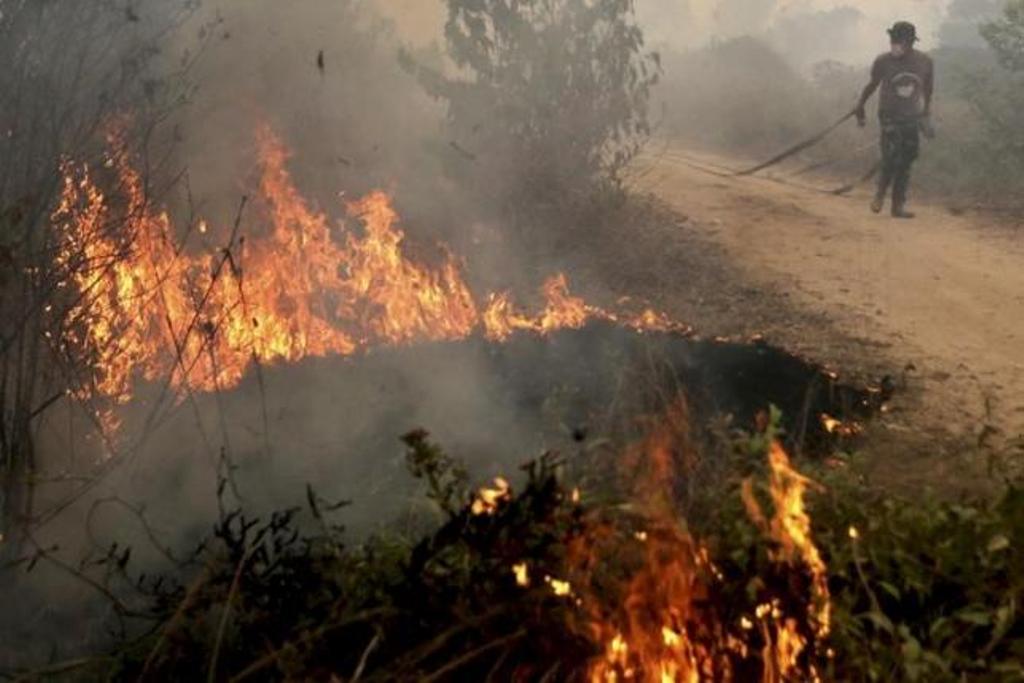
{"points": [[804, 30], [745, 75]]}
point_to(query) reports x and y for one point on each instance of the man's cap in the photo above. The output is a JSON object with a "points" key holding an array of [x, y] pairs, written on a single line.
{"points": [[904, 32]]}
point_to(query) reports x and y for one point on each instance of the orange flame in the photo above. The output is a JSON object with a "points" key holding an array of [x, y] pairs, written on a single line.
{"points": [[149, 310], [790, 529], [658, 634], [662, 630], [838, 427], [488, 500]]}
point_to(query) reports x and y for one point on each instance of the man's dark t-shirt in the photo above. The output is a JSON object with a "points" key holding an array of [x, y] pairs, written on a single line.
{"points": [[906, 85]]}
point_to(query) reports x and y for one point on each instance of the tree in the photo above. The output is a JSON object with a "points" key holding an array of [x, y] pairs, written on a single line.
{"points": [[997, 95], [68, 70], [963, 19], [1006, 35], [548, 99]]}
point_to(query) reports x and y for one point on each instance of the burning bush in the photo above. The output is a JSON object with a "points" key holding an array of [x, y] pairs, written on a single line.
{"points": [[66, 69], [772, 577], [513, 585]]}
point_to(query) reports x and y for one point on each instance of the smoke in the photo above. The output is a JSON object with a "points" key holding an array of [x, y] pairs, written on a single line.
{"points": [[804, 31], [415, 21], [324, 75]]}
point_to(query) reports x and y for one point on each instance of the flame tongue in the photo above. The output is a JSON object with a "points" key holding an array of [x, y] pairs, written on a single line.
{"points": [[402, 301], [668, 626], [150, 310], [652, 638], [659, 632], [790, 528]]}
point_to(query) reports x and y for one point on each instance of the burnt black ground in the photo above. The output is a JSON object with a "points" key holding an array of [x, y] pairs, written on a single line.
{"points": [[335, 422]]}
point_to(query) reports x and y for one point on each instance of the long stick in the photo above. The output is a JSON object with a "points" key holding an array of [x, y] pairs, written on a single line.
{"points": [[795, 149]]}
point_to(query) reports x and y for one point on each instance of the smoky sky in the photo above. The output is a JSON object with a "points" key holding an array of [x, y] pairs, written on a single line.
{"points": [[804, 31]]}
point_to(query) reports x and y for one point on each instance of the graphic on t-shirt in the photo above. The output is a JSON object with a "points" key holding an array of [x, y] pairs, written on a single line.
{"points": [[907, 85]]}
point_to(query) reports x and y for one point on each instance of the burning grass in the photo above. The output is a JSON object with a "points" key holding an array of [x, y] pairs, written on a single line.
{"points": [[514, 585], [145, 307], [669, 566], [770, 577]]}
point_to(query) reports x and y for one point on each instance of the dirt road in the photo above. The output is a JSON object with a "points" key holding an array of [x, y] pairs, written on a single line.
{"points": [[938, 300]]}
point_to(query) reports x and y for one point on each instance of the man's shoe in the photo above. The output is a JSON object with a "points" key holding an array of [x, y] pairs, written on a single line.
{"points": [[900, 212], [876, 204]]}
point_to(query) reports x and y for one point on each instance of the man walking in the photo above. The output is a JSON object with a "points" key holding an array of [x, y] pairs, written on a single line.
{"points": [[906, 77]]}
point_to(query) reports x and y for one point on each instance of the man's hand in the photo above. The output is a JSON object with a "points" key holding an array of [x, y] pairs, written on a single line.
{"points": [[927, 128], [862, 118]]}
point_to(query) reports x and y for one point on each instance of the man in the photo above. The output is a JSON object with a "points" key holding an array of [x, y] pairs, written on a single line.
{"points": [[906, 77]]}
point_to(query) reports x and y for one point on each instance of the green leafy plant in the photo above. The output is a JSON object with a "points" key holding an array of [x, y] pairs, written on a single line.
{"points": [[547, 102], [1006, 35], [925, 590]]}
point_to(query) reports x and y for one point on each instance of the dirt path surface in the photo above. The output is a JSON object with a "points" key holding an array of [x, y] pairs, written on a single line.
{"points": [[937, 302]]}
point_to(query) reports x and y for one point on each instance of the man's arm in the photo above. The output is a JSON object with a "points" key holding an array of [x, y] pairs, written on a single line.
{"points": [[869, 90]]}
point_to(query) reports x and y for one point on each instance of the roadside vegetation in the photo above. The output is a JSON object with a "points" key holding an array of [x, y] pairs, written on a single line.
{"points": [[519, 581], [59, 105]]}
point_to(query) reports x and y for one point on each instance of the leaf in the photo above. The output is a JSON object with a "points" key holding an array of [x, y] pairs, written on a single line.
{"points": [[911, 647], [880, 621], [997, 543], [1012, 668], [1004, 622], [935, 660], [890, 589], [940, 629], [975, 617]]}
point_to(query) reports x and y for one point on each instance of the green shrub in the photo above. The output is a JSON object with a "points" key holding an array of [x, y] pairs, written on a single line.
{"points": [[926, 590], [547, 102]]}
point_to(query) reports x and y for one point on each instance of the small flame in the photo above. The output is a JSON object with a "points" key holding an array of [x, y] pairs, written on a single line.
{"points": [[835, 426], [488, 500], [664, 629], [657, 633], [559, 587], [522, 574], [790, 528]]}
